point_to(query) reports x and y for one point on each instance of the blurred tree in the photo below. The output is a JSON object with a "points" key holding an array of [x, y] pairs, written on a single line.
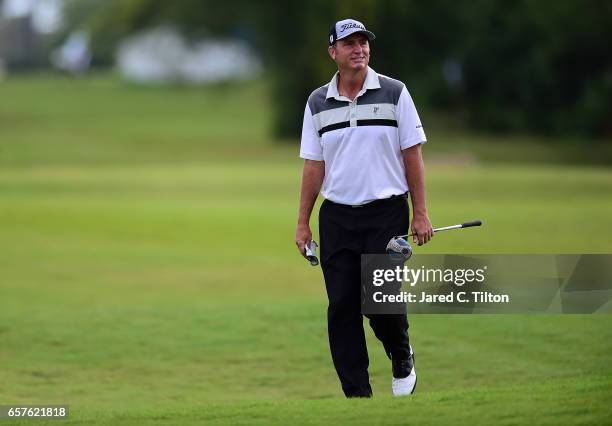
{"points": [[539, 66], [512, 66], [108, 21]]}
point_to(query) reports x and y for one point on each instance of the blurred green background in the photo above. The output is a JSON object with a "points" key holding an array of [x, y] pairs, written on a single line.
{"points": [[148, 271]]}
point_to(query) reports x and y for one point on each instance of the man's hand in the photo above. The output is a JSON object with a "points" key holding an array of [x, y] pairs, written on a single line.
{"points": [[303, 235], [422, 230]]}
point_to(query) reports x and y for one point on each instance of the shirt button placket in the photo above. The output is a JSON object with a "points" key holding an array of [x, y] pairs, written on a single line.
{"points": [[353, 111]]}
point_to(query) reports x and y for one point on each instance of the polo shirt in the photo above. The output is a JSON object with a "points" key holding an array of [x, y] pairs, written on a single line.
{"points": [[361, 141]]}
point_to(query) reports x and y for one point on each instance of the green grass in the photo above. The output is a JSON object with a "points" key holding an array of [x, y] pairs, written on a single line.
{"points": [[148, 272]]}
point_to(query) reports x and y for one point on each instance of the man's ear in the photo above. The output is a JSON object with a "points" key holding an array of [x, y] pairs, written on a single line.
{"points": [[332, 52]]}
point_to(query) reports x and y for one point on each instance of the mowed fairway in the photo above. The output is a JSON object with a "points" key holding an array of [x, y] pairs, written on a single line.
{"points": [[148, 272]]}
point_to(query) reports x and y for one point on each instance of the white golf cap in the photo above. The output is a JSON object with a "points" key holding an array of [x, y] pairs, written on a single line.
{"points": [[345, 28]]}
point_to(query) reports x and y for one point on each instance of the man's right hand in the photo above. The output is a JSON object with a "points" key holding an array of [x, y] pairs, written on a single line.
{"points": [[303, 236]]}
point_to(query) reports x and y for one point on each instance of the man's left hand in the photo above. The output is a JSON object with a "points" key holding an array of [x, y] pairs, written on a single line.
{"points": [[422, 230]]}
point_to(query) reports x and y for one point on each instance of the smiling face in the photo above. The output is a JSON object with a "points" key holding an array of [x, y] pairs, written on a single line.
{"points": [[351, 54]]}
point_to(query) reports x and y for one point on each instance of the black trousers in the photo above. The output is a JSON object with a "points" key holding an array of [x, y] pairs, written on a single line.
{"points": [[346, 232]]}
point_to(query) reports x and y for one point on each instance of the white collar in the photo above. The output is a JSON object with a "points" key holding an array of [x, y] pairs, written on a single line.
{"points": [[371, 82]]}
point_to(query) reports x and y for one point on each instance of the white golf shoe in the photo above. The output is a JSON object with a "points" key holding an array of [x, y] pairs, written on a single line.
{"points": [[404, 376]]}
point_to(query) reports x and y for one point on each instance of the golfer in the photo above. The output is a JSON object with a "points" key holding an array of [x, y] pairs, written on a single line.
{"points": [[361, 143]]}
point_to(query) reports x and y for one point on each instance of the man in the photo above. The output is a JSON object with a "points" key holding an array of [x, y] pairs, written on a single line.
{"points": [[361, 142]]}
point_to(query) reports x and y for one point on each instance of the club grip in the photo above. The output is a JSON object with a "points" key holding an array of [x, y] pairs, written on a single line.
{"points": [[472, 223]]}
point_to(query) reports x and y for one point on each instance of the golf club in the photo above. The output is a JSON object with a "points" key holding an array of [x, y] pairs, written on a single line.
{"points": [[400, 250], [448, 228]]}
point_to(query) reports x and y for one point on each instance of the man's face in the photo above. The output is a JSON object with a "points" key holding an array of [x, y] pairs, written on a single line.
{"points": [[351, 53]]}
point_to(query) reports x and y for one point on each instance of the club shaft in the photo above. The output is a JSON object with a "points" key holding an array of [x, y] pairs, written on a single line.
{"points": [[448, 228], [444, 228]]}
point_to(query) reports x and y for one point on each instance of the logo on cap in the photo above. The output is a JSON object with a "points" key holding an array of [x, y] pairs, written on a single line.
{"points": [[351, 25]]}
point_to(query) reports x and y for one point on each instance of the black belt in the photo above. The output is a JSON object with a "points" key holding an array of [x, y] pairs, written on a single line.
{"points": [[372, 203]]}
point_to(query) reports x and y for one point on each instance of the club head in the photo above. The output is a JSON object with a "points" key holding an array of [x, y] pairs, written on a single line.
{"points": [[399, 250]]}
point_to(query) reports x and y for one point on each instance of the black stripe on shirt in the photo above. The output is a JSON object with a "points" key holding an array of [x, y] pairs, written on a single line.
{"points": [[372, 122], [334, 126], [377, 122]]}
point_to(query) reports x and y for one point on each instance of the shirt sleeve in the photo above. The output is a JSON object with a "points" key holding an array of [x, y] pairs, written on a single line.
{"points": [[310, 148], [408, 122]]}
